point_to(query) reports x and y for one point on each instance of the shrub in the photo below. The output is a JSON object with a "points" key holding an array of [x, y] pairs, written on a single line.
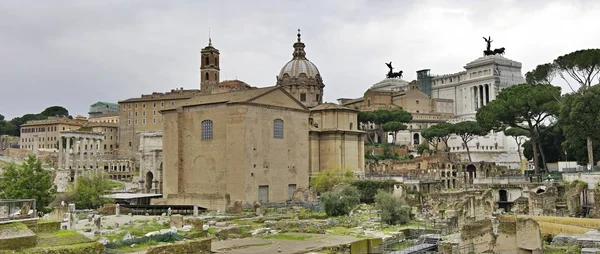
{"points": [[368, 188], [90, 189], [326, 180], [393, 209], [341, 200]]}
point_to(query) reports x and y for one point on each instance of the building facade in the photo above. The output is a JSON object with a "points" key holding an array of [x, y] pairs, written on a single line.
{"points": [[335, 141], [398, 94], [471, 89], [43, 134], [248, 145]]}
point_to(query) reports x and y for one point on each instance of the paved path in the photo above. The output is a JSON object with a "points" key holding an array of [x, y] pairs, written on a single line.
{"points": [[267, 246]]}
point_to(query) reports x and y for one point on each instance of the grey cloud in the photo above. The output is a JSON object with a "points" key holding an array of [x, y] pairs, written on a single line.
{"points": [[74, 53]]}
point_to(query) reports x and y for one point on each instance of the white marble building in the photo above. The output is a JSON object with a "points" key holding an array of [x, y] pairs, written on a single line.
{"points": [[477, 85]]}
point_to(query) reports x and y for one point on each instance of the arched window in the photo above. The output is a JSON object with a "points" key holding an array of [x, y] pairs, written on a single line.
{"points": [[207, 130], [216, 61], [278, 128], [206, 76], [206, 62]]}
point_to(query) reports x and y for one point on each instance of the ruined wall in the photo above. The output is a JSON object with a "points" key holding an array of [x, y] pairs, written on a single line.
{"points": [[479, 234]]}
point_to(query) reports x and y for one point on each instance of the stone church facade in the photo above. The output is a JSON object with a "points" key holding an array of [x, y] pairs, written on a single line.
{"points": [[234, 143]]}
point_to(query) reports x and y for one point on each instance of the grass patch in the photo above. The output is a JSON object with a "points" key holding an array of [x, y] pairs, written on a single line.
{"points": [[402, 245], [116, 185], [551, 249], [61, 238], [212, 231], [289, 237], [138, 247]]}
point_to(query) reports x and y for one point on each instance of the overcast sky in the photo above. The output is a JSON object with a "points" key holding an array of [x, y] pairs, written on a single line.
{"points": [[75, 53]]}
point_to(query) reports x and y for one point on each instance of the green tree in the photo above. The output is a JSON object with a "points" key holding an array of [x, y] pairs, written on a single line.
{"points": [[422, 148], [542, 74], [369, 188], [439, 132], [382, 116], [524, 106], [28, 181], [55, 111], [579, 117], [467, 131], [329, 178], [583, 66], [341, 200], [519, 135], [90, 189], [394, 127], [393, 209]]}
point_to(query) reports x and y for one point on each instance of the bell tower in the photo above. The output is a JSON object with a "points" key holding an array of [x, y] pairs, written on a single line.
{"points": [[209, 67]]}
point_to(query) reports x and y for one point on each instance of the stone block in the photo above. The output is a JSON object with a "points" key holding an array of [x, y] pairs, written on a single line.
{"points": [[176, 221], [590, 250], [194, 222], [15, 236], [193, 246]]}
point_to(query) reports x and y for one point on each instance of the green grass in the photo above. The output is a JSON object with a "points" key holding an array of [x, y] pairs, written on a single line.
{"points": [[138, 247], [116, 185], [212, 231], [61, 238], [551, 249], [289, 237], [402, 245]]}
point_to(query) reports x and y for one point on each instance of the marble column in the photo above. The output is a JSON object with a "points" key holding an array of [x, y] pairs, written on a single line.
{"points": [[68, 153], [482, 94], [60, 152], [81, 158]]}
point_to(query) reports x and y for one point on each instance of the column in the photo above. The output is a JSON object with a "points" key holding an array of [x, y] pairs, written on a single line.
{"points": [[96, 153], [68, 153], [475, 102], [487, 94], [81, 158], [481, 98], [60, 152]]}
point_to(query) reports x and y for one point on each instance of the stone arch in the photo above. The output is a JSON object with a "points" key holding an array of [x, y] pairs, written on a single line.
{"points": [[416, 139], [540, 190], [148, 181]]}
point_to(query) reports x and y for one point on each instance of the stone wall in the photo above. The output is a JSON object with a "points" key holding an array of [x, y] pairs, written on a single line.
{"points": [[193, 246]]}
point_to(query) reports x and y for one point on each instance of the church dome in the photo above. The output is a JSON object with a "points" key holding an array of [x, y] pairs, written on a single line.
{"points": [[295, 67], [299, 64]]}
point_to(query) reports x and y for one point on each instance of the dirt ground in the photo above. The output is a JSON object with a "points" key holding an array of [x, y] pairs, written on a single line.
{"points": [[267, 246]]}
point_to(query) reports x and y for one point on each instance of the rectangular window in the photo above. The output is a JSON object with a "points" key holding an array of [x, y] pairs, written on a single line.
{"points": [[207, 130], [135, 121], [154, 105], [129, 122], [144, 121], [153, 120], [154, 113], [162, 104], [302, 97], [417, 102], [135, 114], [172, 103], [278, 129], [136, 105], [144, 105]]}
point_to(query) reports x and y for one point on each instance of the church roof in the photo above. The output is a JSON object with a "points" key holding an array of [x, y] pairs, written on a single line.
{"points": [[331, 106], [233, 83], [232, 97]]}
